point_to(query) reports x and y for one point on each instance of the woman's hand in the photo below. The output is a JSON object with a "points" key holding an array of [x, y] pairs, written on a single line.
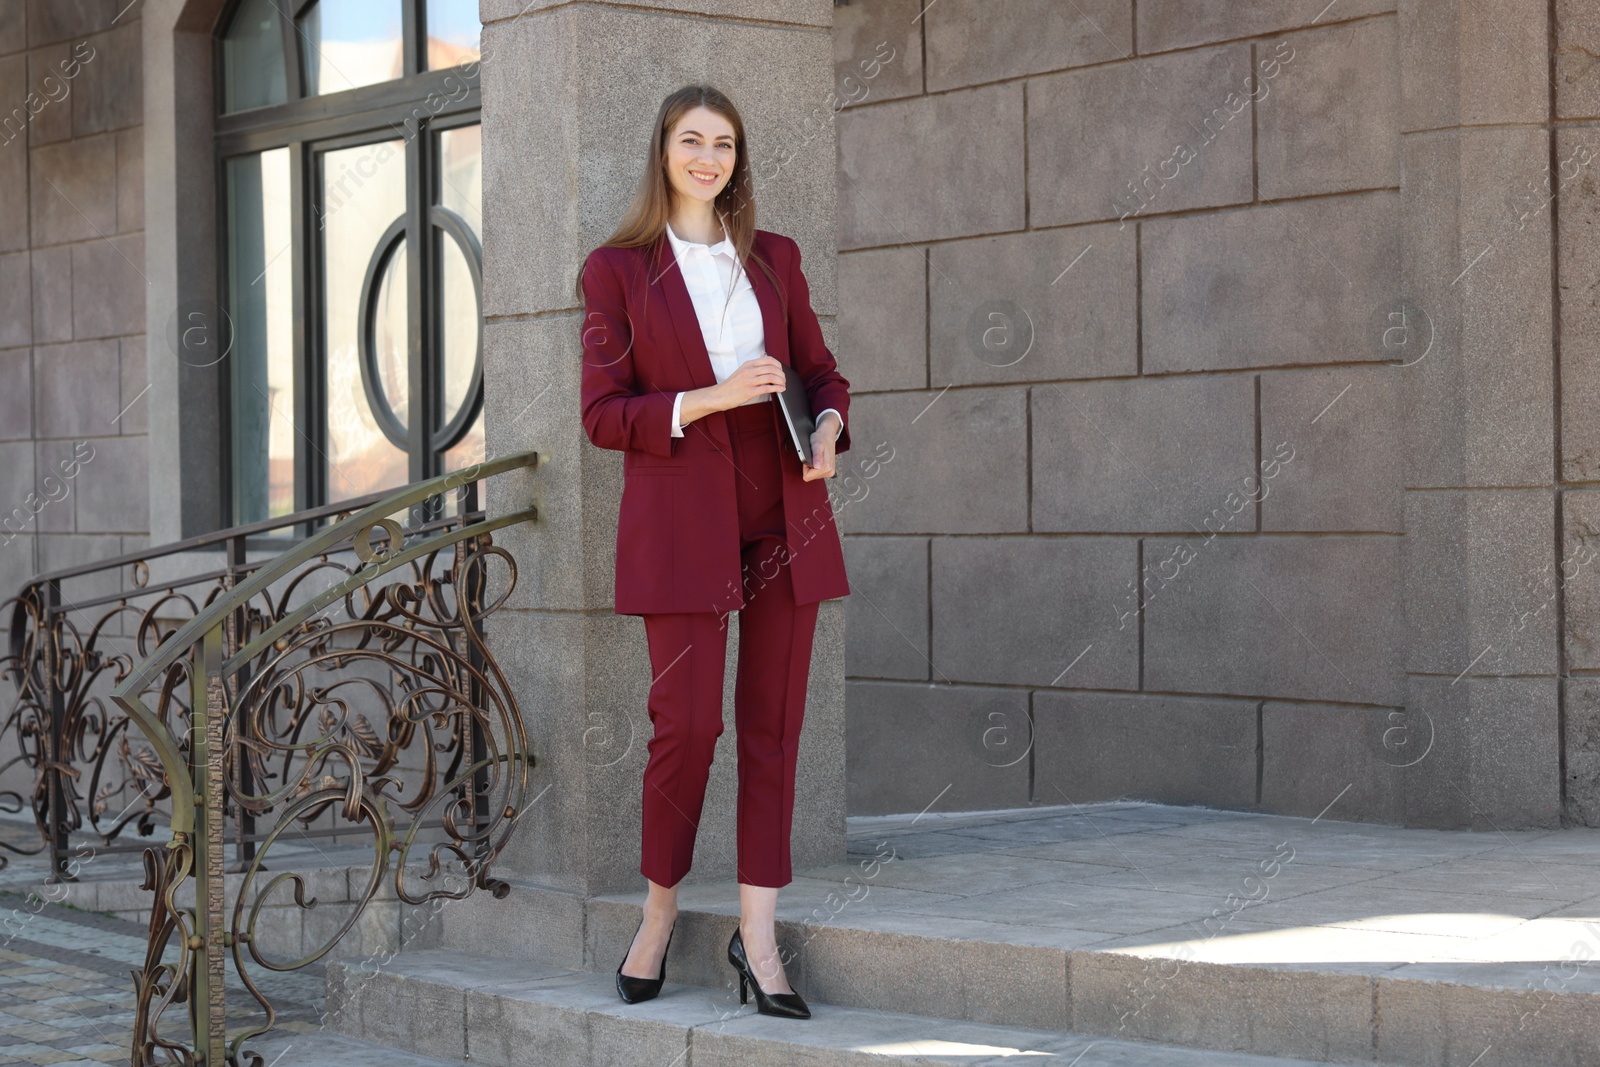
{"points": [[751, 378], [822, 440]]}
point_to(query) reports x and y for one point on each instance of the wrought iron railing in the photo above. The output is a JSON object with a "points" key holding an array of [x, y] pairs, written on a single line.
{"points": [[67, 756], [298, 698]]}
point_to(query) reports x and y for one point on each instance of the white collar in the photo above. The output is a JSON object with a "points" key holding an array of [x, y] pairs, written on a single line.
{"points": [[679, 244]]}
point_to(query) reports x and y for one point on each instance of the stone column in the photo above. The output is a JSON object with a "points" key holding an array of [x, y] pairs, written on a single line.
{"points": [[184, 398], [1576, 218], [1483, 502], [570, 92]]}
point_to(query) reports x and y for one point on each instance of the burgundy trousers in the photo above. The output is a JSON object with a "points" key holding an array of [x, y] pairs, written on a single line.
{"points": [[688, 653]]}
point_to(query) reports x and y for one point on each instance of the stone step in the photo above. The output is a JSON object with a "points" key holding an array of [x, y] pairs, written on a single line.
{"points": [[1415, 947], [319, 1048], [1346, 1009], [455, 1006]]}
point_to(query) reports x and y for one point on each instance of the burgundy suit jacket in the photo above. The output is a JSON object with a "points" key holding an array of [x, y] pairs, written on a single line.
{"points": [[678, 529]]}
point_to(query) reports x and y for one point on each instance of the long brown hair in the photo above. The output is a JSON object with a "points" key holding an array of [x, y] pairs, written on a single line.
{"points": [[644, 222]]}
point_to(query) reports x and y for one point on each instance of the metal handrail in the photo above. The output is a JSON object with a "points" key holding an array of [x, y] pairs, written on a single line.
{"points": [[374, 515], [216, 537], [223, 722], [54, 664]]}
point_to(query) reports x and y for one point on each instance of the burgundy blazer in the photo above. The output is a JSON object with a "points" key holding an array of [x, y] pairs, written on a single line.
{"points": [[678, 529]]}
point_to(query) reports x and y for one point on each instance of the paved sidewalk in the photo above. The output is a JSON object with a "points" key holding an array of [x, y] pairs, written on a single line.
{"points": [[66, 983], [65, 990], [66, 994]]}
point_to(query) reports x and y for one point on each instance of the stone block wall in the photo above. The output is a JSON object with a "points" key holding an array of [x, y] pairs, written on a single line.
{"points": [[1207, 483], [74, 478]]}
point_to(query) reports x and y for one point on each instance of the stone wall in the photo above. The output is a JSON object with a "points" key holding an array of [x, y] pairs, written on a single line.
{"points": [[1152, 305], [72, 288]]}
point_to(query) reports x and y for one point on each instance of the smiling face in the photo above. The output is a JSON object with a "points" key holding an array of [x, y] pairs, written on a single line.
{"points": [[701, 154]]}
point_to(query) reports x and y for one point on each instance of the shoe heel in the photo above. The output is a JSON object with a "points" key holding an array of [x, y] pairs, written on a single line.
{"points": [[788, 1005]]}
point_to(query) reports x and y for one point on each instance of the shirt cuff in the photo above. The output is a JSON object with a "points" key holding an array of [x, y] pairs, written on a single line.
{"points": [[677, 430], [824, 411]]}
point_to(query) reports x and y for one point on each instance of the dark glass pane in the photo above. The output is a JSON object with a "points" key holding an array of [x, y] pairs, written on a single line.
{"points": [[459, 327], [461, 174], [362, 191], [350, 43], [261, 362], [389, 328], [252, 58], [460, 191], [453, 31]]}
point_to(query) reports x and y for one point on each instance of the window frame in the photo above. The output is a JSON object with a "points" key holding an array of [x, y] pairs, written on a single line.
{"points": [[417, 106]]}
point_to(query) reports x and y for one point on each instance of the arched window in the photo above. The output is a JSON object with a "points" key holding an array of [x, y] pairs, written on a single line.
{"points": [[350, 170]]}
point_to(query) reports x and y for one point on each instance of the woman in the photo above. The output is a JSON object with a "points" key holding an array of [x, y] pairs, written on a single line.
{"points": [[683, 347]]}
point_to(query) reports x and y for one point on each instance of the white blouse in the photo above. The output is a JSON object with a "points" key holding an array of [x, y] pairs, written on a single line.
{"points": [[732, 327]]}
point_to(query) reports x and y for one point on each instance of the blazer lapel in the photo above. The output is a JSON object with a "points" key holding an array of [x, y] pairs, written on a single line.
{"points": [[777, 333], [686, 324]]}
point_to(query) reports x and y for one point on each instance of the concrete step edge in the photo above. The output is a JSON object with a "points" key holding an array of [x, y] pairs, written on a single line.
{"points": [[1333, 1013], [503, 1008]]}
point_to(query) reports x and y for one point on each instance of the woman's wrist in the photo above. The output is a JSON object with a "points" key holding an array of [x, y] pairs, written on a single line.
{"points": [[698, 403]]}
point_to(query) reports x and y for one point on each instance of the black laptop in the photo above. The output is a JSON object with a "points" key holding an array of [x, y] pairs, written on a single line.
{"points": [[797, 413]]}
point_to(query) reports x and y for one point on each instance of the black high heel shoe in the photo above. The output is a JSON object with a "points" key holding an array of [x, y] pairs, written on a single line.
{"points": [[787, 1005], [633, 990]]}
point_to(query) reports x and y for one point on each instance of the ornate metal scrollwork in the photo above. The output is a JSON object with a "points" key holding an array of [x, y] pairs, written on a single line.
{"points": [[342, 691]]}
